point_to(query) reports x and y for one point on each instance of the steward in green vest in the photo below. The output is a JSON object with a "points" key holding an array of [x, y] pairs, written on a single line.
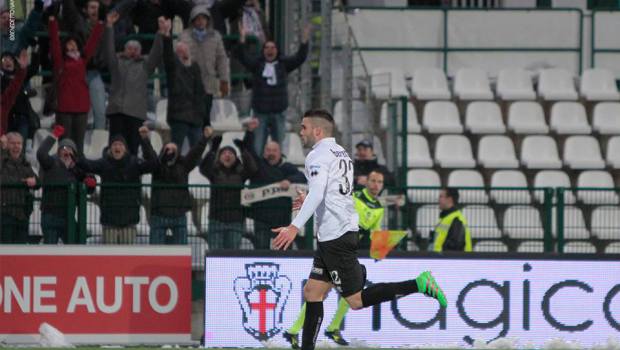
{"points": [[369, 208], [451, 232]]}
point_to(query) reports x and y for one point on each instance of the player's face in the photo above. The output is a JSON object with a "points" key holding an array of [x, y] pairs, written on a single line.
{"points": [[307, 133], [445, 202], [375, 183]]}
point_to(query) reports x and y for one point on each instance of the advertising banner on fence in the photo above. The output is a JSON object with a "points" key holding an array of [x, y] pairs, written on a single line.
{"points": [[249, 300], [104, 295]]}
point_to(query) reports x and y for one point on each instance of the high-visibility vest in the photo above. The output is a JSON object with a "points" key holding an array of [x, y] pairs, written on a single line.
{"points": [[443, 227]]}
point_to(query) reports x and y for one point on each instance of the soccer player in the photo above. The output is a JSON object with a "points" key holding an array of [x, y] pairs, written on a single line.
{"points": [[370, 212], [329, 171]]}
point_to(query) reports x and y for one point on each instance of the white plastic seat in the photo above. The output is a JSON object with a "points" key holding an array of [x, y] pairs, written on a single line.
{"points": [[293, 149], [569, 118], [606, 119], [579, 247], [556, 84], [515, 84], [523, 222], [430, 84], [441, 117], [553, 178], [468, 178], [143, 227], [156, 143], [613, 152], [527, 118], [161, 114], [228, 138], [599, 84], [98, 141], [540, 152], [198, 192], [413, 126], [427, 217], [605, 222], [472, 84], [490, 246], [531, 247], [510, 178], [361, 116], [147, 180], [596, 179], [482, 222], [224, 115], [36, 102], [574, 223], [93, 215], [583, 152], [34, 226], [497, 152], [454, 151], [613, 248], [483, 117], [423, 178], [388, 82], [199, 246], [418, 152], [38, 138]]}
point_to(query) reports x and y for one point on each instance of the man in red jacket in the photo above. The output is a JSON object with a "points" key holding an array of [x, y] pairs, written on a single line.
{"points": [[70, 75]]}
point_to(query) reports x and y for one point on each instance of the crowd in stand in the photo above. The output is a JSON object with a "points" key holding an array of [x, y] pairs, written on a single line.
{"points": [[88, 44]]}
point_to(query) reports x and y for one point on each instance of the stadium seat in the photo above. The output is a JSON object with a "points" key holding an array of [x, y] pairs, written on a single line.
{"points": [[556, 84], [472, 84], [531, 247], [606, 119], [36, 103], [553, 178], [574, 223], [583, 152], [596, 179], [468, 178], [418, 153], [569, 118], [224, 115], [376, 143], [98, 141], [490, 246], [161, 114], [38, 138], [454, 151], [523, 222], [293, 149], [196, 178], [441, 117], [427, 217], [510, 178], [540, 152], [579, 247], [613, 152], [515, 84], [156, 143], [430, 84], [483, 117], [199, 246], [93, 215], [527, 118], [482, 222], [34, 226], [228, 139], [143, 226], [413, 126], [386, 83], [361, 117], [605, 222], [147, 180], [598, 84], [423, 178], [497, 152], [613, 248]]}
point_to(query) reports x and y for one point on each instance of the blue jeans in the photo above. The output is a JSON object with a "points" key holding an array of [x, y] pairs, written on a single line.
{"points": [[179, 130], [160, 224], [277, 128], [53, 227], [224, 235], [96, 90]]}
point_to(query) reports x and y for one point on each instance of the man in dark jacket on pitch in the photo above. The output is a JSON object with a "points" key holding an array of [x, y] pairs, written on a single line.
{"points": [[169, 204], [275, 212], [120, 202], [227, 174], [57, 173], [269, 86]]}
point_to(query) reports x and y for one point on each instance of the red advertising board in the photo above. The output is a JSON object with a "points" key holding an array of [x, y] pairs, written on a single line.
{"points": [[96, 294]]}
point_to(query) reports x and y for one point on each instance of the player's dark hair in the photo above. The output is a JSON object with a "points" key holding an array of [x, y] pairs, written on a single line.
{"points": [[319, 113], [452, 193]]}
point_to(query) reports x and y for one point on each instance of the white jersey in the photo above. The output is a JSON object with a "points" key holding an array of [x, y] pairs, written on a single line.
{"points": [[329, 171]]}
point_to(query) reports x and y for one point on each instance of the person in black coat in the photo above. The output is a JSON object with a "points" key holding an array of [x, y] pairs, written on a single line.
{"points": [[121, 189], [171, 202], [275, 212], [19, 116], [269, 86]]}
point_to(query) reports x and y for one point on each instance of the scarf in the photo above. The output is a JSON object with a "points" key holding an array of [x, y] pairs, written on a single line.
{"points": [[199, 35], [269, 73], [251, 23]]}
